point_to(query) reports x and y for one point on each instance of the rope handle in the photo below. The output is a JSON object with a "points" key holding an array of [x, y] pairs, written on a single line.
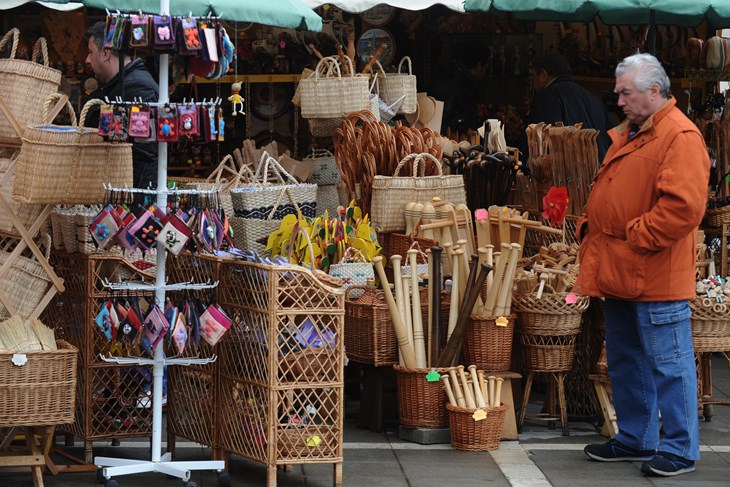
{"points": [[58, 101], [334, 67], [410, 66], [40, 48], [319, 153], [262, 170], [421, 253], [416, 159], [298, 229], [352, 253], [95, 102], [15, 34], [278, 203]]}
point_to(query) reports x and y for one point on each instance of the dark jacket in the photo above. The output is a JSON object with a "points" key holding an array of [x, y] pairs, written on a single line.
{"points": [[566, 101], [138, 84]]}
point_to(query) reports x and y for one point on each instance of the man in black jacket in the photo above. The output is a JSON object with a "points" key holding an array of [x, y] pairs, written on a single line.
{"points": [[138, 84], [560, 99]]}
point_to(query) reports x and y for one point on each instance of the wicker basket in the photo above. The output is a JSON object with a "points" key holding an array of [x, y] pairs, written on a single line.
{"points": [[22, 84], [41, 392], [82, 164], [399, 244], [25, 282], [487, 345], [470, 435], [546, 353], [420, 403], [27, 214], [549, 315], [709, 321], [716, 217]]}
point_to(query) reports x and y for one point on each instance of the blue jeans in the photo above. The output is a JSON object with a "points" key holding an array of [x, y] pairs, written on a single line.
{"points": [[652, 368]]}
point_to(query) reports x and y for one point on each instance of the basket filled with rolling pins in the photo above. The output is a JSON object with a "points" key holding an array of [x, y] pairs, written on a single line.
{"points": [[475, 408], [711, 315]]}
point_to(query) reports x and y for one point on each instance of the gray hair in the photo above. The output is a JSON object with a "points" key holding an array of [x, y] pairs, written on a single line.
{"points": [[648, 72]]}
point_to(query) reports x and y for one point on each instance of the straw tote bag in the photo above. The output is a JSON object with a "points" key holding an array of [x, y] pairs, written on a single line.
{"points": [[257, 200], [68, 165], [392, 193], [333, 96], [23, 87], [396, 85]]}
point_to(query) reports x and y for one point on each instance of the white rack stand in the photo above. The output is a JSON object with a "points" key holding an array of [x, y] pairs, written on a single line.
{"points": [[161, 463]]}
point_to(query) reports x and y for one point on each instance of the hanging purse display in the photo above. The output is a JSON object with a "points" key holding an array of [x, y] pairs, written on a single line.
{"points": [[167, 129], [180, 333], [164, 33], [188, 121], [155, 326], [139, 121], [105, 226], [119, 124], [209, 123], [213, 324], [189, 37], [106, 112], [175, 233], [140, 31], [115, 32]]}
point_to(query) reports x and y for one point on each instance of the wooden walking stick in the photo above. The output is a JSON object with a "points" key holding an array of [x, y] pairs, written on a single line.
{"points": [[434, 333], [498, 392], [505, 292], [457, 388], [479, 398], [453, 346], [454, 304], [490, 389], [418, 339], [499, 269], [449, 391], [409, 357], [483, 385], [468, 395]]}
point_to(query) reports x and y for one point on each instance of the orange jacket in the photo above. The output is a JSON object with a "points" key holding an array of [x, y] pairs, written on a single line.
{"points": [[643, 212]]}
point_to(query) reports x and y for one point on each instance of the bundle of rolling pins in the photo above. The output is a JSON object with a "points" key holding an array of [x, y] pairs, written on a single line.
{"points": [[472, 390]]}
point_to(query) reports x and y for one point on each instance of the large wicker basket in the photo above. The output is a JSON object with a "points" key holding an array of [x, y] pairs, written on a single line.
{"points": [[420, 403], [471, 435], [716, 217], [22, 85], [487, 345], [41, 392], [710, 326]]}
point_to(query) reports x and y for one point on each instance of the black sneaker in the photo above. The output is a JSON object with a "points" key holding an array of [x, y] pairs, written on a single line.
{"points": [[615, 451], [667, 465]]}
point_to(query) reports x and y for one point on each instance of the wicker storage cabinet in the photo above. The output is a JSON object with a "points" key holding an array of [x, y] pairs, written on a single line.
{"points": [[281, 367]]}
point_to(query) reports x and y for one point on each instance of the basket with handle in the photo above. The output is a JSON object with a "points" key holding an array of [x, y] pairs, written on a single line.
{"points": [[22, 85], [27, 214], [325, 167], [333, 96], [390, 194], [24, 281], [256, 201], [400, 85], [82, 161], [353, 268]]}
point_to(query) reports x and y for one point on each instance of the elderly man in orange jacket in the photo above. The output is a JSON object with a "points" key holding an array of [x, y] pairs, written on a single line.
{"points": [[638, 251]]}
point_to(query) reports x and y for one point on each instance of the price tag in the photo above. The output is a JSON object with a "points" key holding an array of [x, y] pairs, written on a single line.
{"points": [[479, 415], [314, 441], [571, 298], [501, 321], [433, 376]]}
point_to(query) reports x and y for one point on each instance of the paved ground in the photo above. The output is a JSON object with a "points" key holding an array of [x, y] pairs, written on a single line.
{"points": [[541, 457]]}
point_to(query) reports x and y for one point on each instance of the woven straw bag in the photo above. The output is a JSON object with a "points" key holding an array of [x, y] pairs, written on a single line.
{"points": [[392, 193], [353, 269], [258, 200], [22, 85], [27, 214], [224, 178], [253, 233], [69, 165], [324, 127], [325, 167], [24, 281], [333, 96], [397, 85], [328, 199]]}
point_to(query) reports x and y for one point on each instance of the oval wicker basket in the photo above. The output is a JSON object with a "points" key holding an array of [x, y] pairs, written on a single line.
{"points": [[420, 403], [549, 315], [470, 435]]}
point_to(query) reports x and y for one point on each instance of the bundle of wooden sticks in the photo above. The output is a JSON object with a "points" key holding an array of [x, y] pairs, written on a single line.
{"points": [[472, 391]]}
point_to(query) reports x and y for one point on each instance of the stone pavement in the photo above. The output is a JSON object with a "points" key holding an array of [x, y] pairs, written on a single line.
{"points": [[541, 457]]}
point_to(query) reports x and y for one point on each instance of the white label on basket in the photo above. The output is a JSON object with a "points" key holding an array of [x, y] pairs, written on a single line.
{"points": [[19, 359]]}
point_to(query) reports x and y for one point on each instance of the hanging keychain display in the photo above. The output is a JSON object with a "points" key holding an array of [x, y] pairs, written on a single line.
{"points": [[139, 121], [140, 35], [188, 121], [167, 130], [164, 31]]}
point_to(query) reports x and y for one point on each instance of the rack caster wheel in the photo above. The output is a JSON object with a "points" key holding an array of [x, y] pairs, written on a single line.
{"points": [[190, 483], [100, 479], [112, 483], [224, 480]]}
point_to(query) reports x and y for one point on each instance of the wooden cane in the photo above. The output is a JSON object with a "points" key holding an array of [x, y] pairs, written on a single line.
{"points": [[457, 388], [468, 395], [499, 269], [483, 385], [453, 346], [490, 389], [449, 391], [505, 291], [458, 262], [479, 398], [409, 356], [406, 287], [434, 285], [399, 299], [429, 324], [498, 392], [454, 304], [418, 338]]}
